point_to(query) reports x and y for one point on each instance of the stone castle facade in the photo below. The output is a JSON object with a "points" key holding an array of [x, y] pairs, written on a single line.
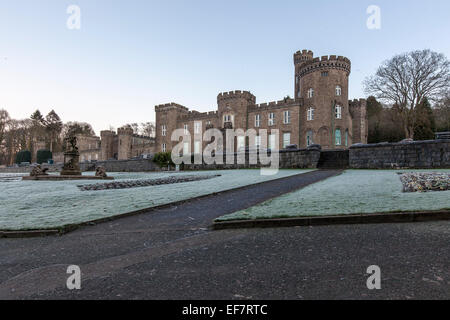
{"points": [[319, 113]]}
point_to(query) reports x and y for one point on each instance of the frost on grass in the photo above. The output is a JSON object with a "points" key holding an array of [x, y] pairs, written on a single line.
{"points": [[50, 204], [354, 191]]}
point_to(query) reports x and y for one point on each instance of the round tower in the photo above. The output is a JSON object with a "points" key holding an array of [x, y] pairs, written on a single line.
{"points": [[125, 135], [232, 108], [322, 85]]}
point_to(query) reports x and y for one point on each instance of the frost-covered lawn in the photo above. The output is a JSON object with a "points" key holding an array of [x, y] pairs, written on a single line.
{"points": [[355, 191], [49, 204]]}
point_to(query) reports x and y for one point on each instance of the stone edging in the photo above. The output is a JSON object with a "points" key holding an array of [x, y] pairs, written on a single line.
{"points": [[368, 218]]}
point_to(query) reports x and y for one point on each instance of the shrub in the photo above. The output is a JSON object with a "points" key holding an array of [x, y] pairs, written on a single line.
{"points": [[163, 159], [23, 156], [43, 156]]}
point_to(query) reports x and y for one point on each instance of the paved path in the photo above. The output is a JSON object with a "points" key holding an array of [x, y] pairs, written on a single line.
{"points": [[171, 254]]}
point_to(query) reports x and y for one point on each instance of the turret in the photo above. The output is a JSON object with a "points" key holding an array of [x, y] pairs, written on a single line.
{"points": [[232, 107]]}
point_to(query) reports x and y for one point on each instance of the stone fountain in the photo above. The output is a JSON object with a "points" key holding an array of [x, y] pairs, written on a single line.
{"points": [[71, 169]]}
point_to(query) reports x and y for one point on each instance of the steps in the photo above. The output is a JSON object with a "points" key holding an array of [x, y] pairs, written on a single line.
{"points": [[334, 159]]}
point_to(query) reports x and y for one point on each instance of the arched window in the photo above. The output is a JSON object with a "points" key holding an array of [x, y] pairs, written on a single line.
{"points": [[338, 112], [338, 90], [309, 138], [337, 137], [310, 93]]}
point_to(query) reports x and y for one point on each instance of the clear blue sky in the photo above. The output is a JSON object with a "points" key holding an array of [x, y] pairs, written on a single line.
{"points": [[131, 55]]}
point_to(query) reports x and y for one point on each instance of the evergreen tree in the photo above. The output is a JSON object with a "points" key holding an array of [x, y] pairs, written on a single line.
{"points": [[53, 125], [425, 126]]}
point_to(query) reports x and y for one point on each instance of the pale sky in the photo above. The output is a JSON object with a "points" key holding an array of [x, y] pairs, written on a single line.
{"points": [[131, 55]]}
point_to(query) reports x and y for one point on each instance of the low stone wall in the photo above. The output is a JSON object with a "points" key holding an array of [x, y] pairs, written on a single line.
{"points": [[417, 154], [289, 159], [27, 169], [141, 165]]}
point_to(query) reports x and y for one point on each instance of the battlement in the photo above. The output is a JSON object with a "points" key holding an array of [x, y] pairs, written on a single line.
{"points": [[195, 115], [170, 106], [273, 104], [355, 103], [302, 56], [105, 133], [126, 131], [236, 94], [325, 62]]}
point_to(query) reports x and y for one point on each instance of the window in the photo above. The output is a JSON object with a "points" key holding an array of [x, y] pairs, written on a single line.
{"points": [[186, 129], [287, 117], [310, 93], [324, 74], [164, 130], [258, 120], [164, 147], [227, 118], [337, 137], [346, 137], [338, 112], [197, 145], [309, 138], [310, 114], [258, 142], [286, 139], [271, 119], [272, 142], [197, 127], [338, 90]]}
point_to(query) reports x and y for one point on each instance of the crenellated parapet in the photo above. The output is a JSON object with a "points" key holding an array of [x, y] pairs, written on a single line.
{"points": [[195, 115], [238, 94], [274, 105], [170, 106], [125, 131], [303, 56], [325, 63]]}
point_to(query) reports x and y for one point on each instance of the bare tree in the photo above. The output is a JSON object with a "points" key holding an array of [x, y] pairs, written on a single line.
{"points": [[148, 129], [407, 79]]}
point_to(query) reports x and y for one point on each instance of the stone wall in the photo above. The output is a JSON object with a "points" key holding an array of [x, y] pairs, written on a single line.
{"points": [[27, 169], [141, 165], [289, 159], [417, 154]]}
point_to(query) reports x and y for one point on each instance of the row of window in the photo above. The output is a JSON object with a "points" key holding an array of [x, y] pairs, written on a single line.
{"points": [[337, 138], [271, 141], [338, 92], [240, 143], [271, 119], [337, 113]]}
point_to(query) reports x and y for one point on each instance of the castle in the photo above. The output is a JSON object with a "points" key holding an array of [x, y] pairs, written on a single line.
{"points": [[319, 113]]}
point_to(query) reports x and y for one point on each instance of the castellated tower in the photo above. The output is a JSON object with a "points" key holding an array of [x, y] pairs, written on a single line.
{"points": [[125, 136], [167, 116], [358, 110], [232, 107], [322, 86], [108, 145]]}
